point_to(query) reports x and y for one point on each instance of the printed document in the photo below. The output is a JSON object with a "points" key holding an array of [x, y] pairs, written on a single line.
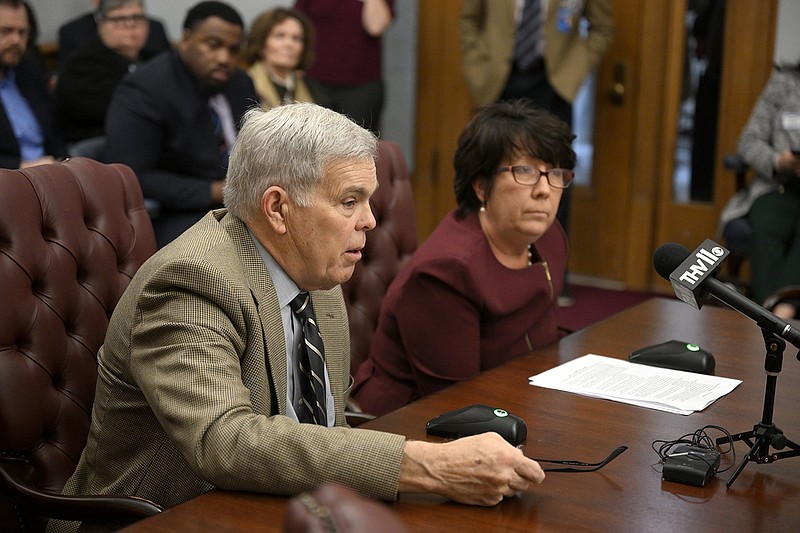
{"points": [[674, 391]]}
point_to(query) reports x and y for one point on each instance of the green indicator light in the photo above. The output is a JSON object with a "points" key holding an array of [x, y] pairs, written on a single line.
{"points": [[693, 347], [500, 413]]}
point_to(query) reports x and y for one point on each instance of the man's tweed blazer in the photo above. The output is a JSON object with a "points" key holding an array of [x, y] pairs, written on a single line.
{"points": [[191, 389]]}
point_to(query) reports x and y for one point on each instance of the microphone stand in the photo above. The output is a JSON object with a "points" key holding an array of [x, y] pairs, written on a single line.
{"points": [[765, 433]]}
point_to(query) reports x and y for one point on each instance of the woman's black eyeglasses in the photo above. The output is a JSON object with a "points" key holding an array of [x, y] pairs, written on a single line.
{"points": [[559, 178]]}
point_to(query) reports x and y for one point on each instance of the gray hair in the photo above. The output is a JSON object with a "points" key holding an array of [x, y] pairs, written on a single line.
{"points": [[289, 146], [107, 6]]}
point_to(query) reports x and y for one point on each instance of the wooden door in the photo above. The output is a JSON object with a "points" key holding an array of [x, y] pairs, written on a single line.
{"points": [[443, 109], [749, 42], [629, 208]]}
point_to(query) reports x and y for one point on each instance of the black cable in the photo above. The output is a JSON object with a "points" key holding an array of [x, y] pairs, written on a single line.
{"points": [[699, 438]]}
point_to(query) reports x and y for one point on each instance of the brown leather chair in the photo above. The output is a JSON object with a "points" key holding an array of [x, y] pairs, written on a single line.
{"points": [[389, 246], [72, 235]]}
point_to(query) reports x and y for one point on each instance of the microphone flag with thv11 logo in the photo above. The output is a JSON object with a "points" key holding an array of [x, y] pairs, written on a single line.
{"points": [[687, 279]]}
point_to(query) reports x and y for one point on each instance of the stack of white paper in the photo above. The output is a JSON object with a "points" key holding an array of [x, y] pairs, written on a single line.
{"points": [[673, 391]]}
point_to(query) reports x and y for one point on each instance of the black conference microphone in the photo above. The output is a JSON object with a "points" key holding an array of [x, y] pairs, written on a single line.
{"points": [[691, 275]]}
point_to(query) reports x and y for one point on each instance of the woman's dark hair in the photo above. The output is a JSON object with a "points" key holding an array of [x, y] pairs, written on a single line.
{"points": [[262, 27], [499, 132]]}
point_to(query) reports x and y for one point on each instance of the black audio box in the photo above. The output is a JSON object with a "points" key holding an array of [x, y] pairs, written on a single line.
{"points": [[691, 465]]}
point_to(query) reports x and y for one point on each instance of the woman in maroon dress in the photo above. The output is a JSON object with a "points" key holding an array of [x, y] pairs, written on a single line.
{"points": [[483, 288]]}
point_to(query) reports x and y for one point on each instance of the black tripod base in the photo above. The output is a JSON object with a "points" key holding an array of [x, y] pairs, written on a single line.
{"points": [[761, 439]]}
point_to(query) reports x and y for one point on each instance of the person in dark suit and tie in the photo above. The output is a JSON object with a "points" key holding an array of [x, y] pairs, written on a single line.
{"points": [[81, 29], [175, 118], [27, 135], [202, 379]]}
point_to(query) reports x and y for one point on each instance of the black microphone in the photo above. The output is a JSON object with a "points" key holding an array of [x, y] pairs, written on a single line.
{"points": [[688, 272], [692, 279]]}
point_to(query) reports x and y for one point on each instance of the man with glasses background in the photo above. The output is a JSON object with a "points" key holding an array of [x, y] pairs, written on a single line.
{"points": [[483, 288], [81, 29], [88, 77]]}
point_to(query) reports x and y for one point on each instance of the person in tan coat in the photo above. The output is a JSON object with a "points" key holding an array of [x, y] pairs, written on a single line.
{"points": [[488, 30]]}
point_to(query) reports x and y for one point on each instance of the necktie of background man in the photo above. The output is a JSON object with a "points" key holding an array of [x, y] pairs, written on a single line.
{"points": [[219, 132], [311, 361], [526, 42]]}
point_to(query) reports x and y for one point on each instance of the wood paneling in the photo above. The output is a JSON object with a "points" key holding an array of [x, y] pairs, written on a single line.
{"points": [[443, 109]]}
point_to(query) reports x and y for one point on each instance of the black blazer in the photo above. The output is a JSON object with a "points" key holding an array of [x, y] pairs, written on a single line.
{"points": [[86, 82], [159, 124], [32, 85], [79, 30]]}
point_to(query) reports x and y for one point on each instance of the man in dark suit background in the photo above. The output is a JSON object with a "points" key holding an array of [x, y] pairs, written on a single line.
{"points": [[79, 30], [26, 122], [174, 119]]}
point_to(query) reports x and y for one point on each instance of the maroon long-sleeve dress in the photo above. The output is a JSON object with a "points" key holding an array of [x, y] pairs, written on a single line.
{"points": [[454, 311]]}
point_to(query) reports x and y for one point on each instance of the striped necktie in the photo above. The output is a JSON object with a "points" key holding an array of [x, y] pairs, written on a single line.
{"points": [[311, 361], [526, 43]]}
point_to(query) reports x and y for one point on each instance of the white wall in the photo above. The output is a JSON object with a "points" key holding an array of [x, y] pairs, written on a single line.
{"points": [[787, 42], [399, 50]]}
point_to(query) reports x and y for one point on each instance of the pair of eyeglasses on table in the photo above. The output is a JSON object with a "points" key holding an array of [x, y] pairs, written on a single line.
{"points": [[579, 466]]}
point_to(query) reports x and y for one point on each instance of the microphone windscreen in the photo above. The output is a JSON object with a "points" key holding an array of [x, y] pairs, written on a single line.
{"points": [[668, 257]]}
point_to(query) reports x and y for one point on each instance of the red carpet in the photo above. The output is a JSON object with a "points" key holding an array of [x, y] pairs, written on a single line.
{"points": [[593, 304]]}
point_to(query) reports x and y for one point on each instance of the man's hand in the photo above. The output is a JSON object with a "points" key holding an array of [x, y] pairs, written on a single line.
{"points": [[477, 470]]}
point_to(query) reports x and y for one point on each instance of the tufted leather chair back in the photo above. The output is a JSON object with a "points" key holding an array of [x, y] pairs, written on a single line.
{"points": [[72, 235], [389, 246]]}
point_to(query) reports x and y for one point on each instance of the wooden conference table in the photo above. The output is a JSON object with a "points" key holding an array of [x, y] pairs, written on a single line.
{"points": [[628, 494]]}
